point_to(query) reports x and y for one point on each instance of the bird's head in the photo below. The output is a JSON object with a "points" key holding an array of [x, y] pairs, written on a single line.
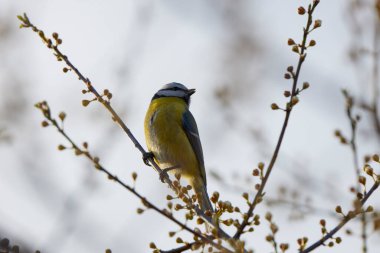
{"points": [[175, 90]]}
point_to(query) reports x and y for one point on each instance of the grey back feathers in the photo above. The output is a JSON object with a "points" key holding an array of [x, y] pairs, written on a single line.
{"points": [[191, 130]]}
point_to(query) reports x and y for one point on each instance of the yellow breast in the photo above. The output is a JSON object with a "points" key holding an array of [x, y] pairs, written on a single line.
{"points": [[165, 136]]}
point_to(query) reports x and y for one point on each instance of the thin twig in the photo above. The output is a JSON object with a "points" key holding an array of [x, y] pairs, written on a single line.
{"points": [[346, 219], [43, 106], [353, 123], [180, 249], [106, 103], [259, 195], [304, 208], [62, 57], [375, 73]]}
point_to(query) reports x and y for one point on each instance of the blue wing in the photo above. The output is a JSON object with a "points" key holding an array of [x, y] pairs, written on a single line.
{"points": [[191, 130]]}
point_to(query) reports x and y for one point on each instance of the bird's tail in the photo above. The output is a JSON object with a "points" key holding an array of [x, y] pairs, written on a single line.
{"points": [[203, 198], [204, 202]]}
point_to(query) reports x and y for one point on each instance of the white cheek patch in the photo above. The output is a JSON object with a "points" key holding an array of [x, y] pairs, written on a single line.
{"points": [[171, 93]]}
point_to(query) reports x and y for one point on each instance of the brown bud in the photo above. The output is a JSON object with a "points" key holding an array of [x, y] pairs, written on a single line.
{"points": [[274, 106], [317, 23], [338, 209], [294, 101], [301, 10], [369, 209], [362, 180], [268, 216], [44, 123], [85, 102], [368, 169], [62, 116], [284, 246], [291, 42], [305, 85]]}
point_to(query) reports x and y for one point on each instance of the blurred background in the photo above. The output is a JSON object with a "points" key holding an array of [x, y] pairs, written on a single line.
{"points": [[235, 54]]}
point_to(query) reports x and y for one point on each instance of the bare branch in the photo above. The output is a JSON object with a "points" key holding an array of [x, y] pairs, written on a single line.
{"points": [[45, 109], [344, 221], [104, 99], [302, 55]]}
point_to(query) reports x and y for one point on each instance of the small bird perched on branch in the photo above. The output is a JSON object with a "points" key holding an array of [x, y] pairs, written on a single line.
{"points": [[172, 138]]}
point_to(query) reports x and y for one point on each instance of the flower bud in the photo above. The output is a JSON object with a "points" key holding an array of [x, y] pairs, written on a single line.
{"points": [[317, 23], [291, 42], [301, 10], [274, 106]]}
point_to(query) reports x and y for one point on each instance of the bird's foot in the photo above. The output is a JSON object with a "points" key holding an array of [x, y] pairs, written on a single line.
{"points": [[147, 156], [164, 172]]}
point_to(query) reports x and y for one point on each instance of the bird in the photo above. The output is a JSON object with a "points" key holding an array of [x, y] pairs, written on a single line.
{"points": [[172, 138]]}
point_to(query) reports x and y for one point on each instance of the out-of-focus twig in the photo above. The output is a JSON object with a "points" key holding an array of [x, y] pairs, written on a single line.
{"points": [[375, 71], [353, 123], [351, 215]]}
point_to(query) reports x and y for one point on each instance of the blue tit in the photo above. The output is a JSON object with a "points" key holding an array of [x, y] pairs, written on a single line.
{"points": [[172, 137]]}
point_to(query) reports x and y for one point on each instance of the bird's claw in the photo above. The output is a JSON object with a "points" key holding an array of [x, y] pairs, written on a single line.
{"points": [[164, 172], [163, 175], [147, 156]]}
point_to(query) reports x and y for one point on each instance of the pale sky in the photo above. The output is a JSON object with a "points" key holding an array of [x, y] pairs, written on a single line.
{"points": [[55, 201]]}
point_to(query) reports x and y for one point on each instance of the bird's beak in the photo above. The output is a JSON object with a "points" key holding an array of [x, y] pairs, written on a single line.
{"points": [[190, 92]]}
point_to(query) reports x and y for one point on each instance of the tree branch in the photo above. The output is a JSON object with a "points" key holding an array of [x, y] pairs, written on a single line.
{"points": [[104, 99], [344, 221], [302, 55], [45, 109]]}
